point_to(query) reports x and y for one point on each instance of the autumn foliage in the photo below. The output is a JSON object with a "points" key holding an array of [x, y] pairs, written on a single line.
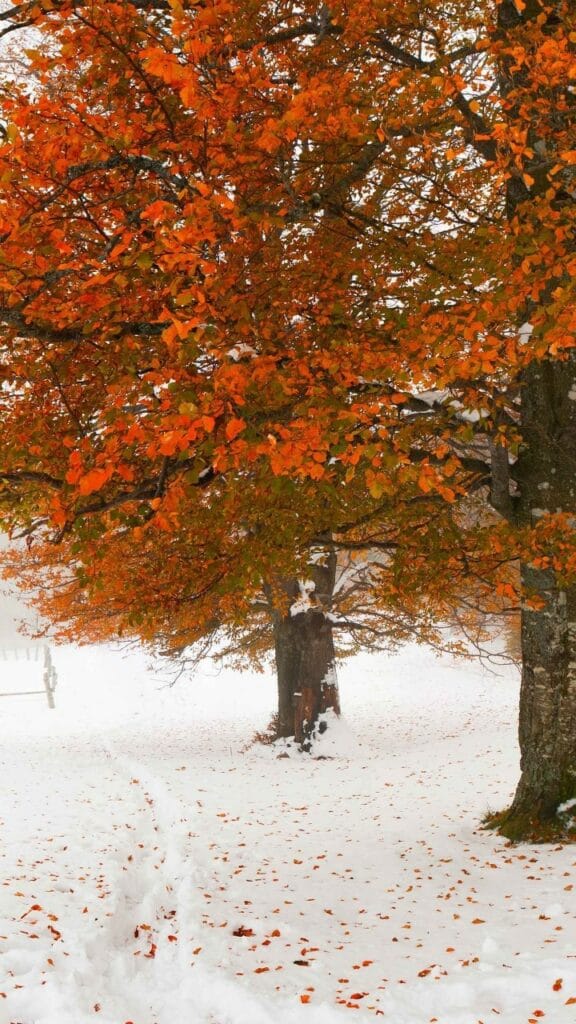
{"points": [[270, 270], [208, 272]]}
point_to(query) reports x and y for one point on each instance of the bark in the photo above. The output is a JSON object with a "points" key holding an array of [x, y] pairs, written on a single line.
{"points": [[306, 658], [286, 651], [306, 670], [547, 729], [546, 475]]}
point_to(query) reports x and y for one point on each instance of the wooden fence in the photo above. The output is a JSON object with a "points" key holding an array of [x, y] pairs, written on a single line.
{"points": [[40, 654]]}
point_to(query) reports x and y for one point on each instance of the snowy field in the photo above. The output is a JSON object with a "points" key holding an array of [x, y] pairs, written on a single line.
{"points": [[155, 871]]}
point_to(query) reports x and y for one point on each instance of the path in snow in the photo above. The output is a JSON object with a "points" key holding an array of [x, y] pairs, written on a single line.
{"points": [[138, 839]]}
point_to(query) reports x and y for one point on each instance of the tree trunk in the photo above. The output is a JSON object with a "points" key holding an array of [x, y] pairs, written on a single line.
{"points": [[306, 669], [305, 653], [547, 730], [546, 474], [317, 687], [287, 654]]}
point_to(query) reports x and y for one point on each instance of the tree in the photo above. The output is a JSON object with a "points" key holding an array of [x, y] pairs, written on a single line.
{"points": [[161, 592], [267, 232]]}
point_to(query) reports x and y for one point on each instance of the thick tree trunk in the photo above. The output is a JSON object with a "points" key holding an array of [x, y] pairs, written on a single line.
{"points": [[306, 670], [305, 654], [287, 655], [547, 731], [546, 474], [317, 687]]}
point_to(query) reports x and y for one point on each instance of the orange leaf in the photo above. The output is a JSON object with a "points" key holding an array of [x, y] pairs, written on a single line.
{"points": [[35, 906], [93, 481], [234, 427]]}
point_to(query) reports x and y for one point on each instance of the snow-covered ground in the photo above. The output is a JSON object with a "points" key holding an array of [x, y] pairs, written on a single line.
{"points": [[158, 872]]}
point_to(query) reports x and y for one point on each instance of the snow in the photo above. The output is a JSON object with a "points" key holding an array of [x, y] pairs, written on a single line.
{"points": [[137, 819], [525, 333], [303, 602], [468, 415], [241, 350], [336, 739]]}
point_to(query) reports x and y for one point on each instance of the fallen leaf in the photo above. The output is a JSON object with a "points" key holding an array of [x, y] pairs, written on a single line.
{"points": [[35, 906]]}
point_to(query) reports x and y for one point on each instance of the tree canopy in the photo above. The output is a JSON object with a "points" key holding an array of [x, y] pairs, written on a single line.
{"points": [[273, 269]]}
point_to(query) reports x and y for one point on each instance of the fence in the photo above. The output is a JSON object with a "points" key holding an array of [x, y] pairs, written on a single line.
{"points": [[40, 654]]}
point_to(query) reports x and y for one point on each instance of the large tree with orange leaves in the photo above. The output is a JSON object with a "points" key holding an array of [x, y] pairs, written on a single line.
{"points": [[241, 244]]}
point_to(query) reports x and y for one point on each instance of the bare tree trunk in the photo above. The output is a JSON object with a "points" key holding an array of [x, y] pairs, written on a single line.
{"points": [[546, 474], [547, 730], [306, 672], [286, 650], [317, 686], [305, 655]]}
